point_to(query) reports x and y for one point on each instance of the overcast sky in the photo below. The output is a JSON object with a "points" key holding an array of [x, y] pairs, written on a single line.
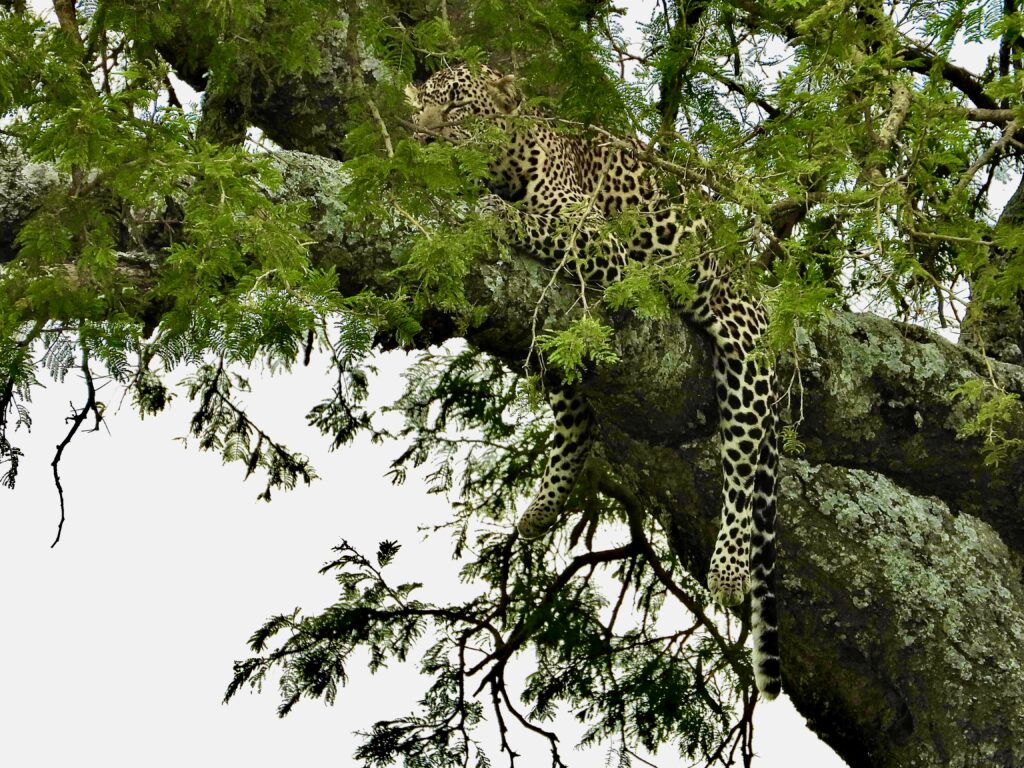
{"points": [[119, 641]]}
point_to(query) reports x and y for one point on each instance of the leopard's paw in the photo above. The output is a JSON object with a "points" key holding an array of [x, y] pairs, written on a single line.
{"points": [[492, 204], [728, 584], [536, 520]]}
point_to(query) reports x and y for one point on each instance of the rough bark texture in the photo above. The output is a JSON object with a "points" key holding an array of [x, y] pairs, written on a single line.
{"points": [[902, 607], [923, 613]]}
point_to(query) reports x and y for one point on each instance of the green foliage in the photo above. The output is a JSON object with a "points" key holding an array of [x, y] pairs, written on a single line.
{"points": [[584, 340], [156, 248], [994, 412], [138, 153], [219, 424], [244, 43], [639, 289], [438, 263], [791, 443], [622, 679], [475, 424], [150, 394], [235, 282], [314, 657], [421, 199], [795, 303], [341, 416]]}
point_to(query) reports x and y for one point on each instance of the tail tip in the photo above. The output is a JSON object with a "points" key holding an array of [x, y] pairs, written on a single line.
{"points": [[766, 675], [769, 688]]}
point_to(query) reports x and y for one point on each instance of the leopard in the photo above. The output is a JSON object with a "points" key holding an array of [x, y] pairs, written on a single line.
{"points": [[555, 190]]}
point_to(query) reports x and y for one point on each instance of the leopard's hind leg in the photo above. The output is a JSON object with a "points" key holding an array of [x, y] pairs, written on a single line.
{"points": [[743, 386]]}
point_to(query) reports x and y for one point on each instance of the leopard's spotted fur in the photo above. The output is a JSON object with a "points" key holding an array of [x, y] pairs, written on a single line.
{"points": [[560, 187]]}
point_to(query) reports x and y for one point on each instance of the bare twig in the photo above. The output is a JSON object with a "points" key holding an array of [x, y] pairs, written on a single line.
{"points": [[746, 92], [77, 418], [635, 513], [526, 627], [556, 758], [988, 154], [740, 736], [950, 238], [502, 727], [372, 105]]}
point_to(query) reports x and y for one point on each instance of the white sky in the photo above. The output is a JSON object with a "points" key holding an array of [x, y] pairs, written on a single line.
{"points": [[122, 637], [119, 641]]}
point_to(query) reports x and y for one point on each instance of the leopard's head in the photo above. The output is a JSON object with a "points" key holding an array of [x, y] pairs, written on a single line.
{"points": [[444, 102]]}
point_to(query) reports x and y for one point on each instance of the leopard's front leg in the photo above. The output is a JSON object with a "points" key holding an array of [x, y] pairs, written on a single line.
{"points": [[568, 241], [568, 449], [576, 246]]}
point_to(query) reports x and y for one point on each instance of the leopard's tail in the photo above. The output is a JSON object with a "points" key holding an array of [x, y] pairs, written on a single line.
{"points": [[763, 608]]}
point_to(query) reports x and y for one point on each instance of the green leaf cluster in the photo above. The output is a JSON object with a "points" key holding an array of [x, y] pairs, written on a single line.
{"points": [[219, 424], [584, 340], [993, 414]]}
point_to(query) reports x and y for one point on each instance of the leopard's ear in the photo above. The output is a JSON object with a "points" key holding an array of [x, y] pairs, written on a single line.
{"points": [[506, 94], [412, 95]]}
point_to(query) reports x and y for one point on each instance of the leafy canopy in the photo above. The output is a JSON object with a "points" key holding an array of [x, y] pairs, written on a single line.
{"points": [[848, 163]]}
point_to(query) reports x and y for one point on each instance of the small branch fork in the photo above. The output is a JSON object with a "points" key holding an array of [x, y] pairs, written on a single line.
{"points": [[76, 419], [504, 651], [494, 679], [634, 511], [988, 155], [740, 736]]}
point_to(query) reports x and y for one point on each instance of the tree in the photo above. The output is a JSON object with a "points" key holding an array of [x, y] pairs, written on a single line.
{"points": [[850, 163]]}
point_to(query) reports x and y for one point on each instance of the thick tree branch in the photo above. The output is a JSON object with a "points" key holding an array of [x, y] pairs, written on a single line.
{"points": [[919, 59], [68, 20], [994, 116], [875, 393], [863, 562]]}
